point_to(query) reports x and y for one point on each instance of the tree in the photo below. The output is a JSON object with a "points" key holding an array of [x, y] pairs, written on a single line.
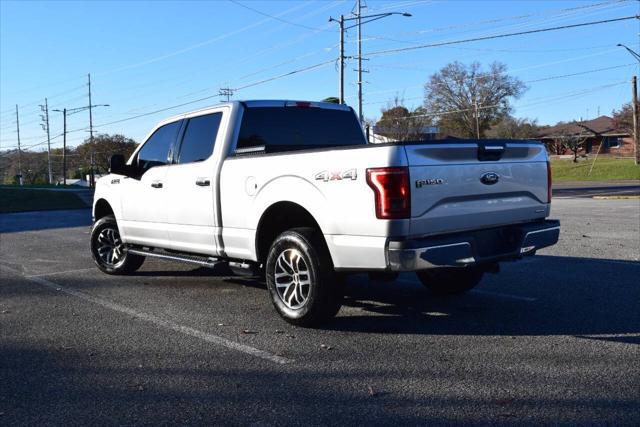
{"points": [[572, 142], [457, 91], [398, 123], [332, 99], [623, 118], [103, 147], [513, 128]]}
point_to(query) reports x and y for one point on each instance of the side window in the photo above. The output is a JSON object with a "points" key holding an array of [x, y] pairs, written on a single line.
{"points": [[155, 151], [199, 138]]}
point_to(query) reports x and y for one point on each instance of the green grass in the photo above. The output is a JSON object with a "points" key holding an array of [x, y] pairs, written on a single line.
{"points": [[22, 200], [605, 169]]}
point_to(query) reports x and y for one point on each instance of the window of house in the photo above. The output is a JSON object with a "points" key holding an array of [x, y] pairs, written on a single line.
{"points": [[199, 138], [614, 141]]}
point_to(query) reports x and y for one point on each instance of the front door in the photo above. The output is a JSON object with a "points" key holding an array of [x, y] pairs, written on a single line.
{"points": [[144, 196]]}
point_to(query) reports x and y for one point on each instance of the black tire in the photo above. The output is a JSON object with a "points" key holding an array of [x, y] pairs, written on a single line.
{"points": [[450, 281], [108, 250], [301, 256]]}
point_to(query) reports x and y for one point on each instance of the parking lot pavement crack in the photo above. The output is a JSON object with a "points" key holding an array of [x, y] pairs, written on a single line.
{"points": [[155, 320]]}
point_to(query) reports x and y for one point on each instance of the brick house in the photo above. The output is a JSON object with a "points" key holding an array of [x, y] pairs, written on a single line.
{"points": [[600, 135]]}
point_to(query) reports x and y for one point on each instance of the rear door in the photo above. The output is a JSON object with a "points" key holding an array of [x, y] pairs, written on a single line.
{"points": [[467, 185], [192, 186]]}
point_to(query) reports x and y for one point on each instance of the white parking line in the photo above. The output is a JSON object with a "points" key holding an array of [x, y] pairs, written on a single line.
{"points": [[167, 324], [478, 291], [501, 295], [55, 273]]}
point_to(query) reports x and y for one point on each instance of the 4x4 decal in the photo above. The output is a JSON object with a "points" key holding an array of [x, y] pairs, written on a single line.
{"points": [[336, 175]]}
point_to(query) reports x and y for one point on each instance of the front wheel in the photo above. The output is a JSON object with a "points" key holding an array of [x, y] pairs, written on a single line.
{"points": [[303, 286], [450, 281], [108, 250]]}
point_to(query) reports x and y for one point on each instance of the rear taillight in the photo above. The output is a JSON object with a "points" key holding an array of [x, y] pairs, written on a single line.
{"points": [[392, 192], [549, 182]]}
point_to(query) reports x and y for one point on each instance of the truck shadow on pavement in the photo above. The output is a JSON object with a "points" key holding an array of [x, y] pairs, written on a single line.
{"points": [[545, 295], [44, 220]]}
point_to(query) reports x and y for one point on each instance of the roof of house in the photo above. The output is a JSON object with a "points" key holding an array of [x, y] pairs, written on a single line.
{"points": [[603, 125]]}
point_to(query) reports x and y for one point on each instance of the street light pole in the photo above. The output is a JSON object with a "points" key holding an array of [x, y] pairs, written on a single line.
{"points": [[341, 85], [360, 20], [359, 24]]}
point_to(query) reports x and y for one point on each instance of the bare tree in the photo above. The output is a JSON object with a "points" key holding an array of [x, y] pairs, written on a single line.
{"points": [[571, 142], [469, 100]]}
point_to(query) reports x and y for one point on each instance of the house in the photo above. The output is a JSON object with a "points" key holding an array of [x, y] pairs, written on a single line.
{"points": [[381, 134], [601, 135]]}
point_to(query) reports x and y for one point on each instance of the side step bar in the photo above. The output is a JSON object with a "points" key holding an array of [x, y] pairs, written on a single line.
{"points": [[188, 259]]}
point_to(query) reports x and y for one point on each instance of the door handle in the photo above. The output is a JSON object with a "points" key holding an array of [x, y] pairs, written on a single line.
{"points": [[156, 184], [203, 182]]}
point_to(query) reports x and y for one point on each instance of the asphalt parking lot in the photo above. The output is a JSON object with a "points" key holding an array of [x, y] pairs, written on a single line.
{"points": [[554, 339]]}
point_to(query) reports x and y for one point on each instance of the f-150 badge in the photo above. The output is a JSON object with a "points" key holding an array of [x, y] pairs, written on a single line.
{"points": [[432, 181], [336, 175]]}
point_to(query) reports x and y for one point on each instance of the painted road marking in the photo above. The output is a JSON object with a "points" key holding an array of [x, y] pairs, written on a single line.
{"points": [[80, 270], [166, 324]]}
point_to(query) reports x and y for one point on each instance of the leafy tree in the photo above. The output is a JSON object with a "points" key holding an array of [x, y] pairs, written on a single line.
{"points": [[623, 118], [457, 91], [332, 99], [514, 128], [398, 123], [103, 147]]}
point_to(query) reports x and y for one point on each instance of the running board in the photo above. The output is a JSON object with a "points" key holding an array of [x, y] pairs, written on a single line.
{"points": [[188, 259]]}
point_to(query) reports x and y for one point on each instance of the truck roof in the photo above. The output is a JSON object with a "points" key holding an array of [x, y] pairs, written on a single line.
{"points": [[261, 103]]}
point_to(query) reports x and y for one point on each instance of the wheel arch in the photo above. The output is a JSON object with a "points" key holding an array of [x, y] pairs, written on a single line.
{"points": [[102, 208], [276, 219]]}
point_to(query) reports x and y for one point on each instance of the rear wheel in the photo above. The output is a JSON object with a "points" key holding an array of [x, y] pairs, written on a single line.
{"points": [[450, 281], [303, 286], [108, 250]]}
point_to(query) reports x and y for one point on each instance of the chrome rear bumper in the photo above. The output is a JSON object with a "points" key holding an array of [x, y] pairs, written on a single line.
{"points": [[473, 247]]}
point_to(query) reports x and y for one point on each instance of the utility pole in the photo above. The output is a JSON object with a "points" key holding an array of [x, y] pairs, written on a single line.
{"points": [[636, 138], [226, 92], [341, 58], [45, 126], [359, 24], [475, 103], [341, 85], [64, 147], [19, 150], [91, 173], [70, 111]]}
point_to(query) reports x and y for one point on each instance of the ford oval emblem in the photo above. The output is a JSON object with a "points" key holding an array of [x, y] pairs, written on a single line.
{"points": [[489, 178]]}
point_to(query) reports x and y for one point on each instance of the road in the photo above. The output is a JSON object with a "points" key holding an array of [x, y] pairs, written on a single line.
{"points": [[554, 339], [620, 188]]}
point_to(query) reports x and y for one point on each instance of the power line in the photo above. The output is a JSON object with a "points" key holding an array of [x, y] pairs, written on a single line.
{"points": [[276, 17], [498, 36], [550, 12]]}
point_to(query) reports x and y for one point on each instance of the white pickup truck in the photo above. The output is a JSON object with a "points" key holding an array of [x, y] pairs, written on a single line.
{"points": [[292, 191]]}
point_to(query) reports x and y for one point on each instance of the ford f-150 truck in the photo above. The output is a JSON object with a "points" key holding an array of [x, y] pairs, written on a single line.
{"points": [[292, 191]]}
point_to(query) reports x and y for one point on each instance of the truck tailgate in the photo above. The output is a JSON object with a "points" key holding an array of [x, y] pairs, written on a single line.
{"points": [[466, 185]]}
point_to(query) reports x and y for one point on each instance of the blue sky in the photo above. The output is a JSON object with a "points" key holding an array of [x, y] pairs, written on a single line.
{"points": [[146, 56]]}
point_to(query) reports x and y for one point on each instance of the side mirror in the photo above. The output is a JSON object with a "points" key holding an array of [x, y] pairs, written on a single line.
{"points": [[117, 165]]}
